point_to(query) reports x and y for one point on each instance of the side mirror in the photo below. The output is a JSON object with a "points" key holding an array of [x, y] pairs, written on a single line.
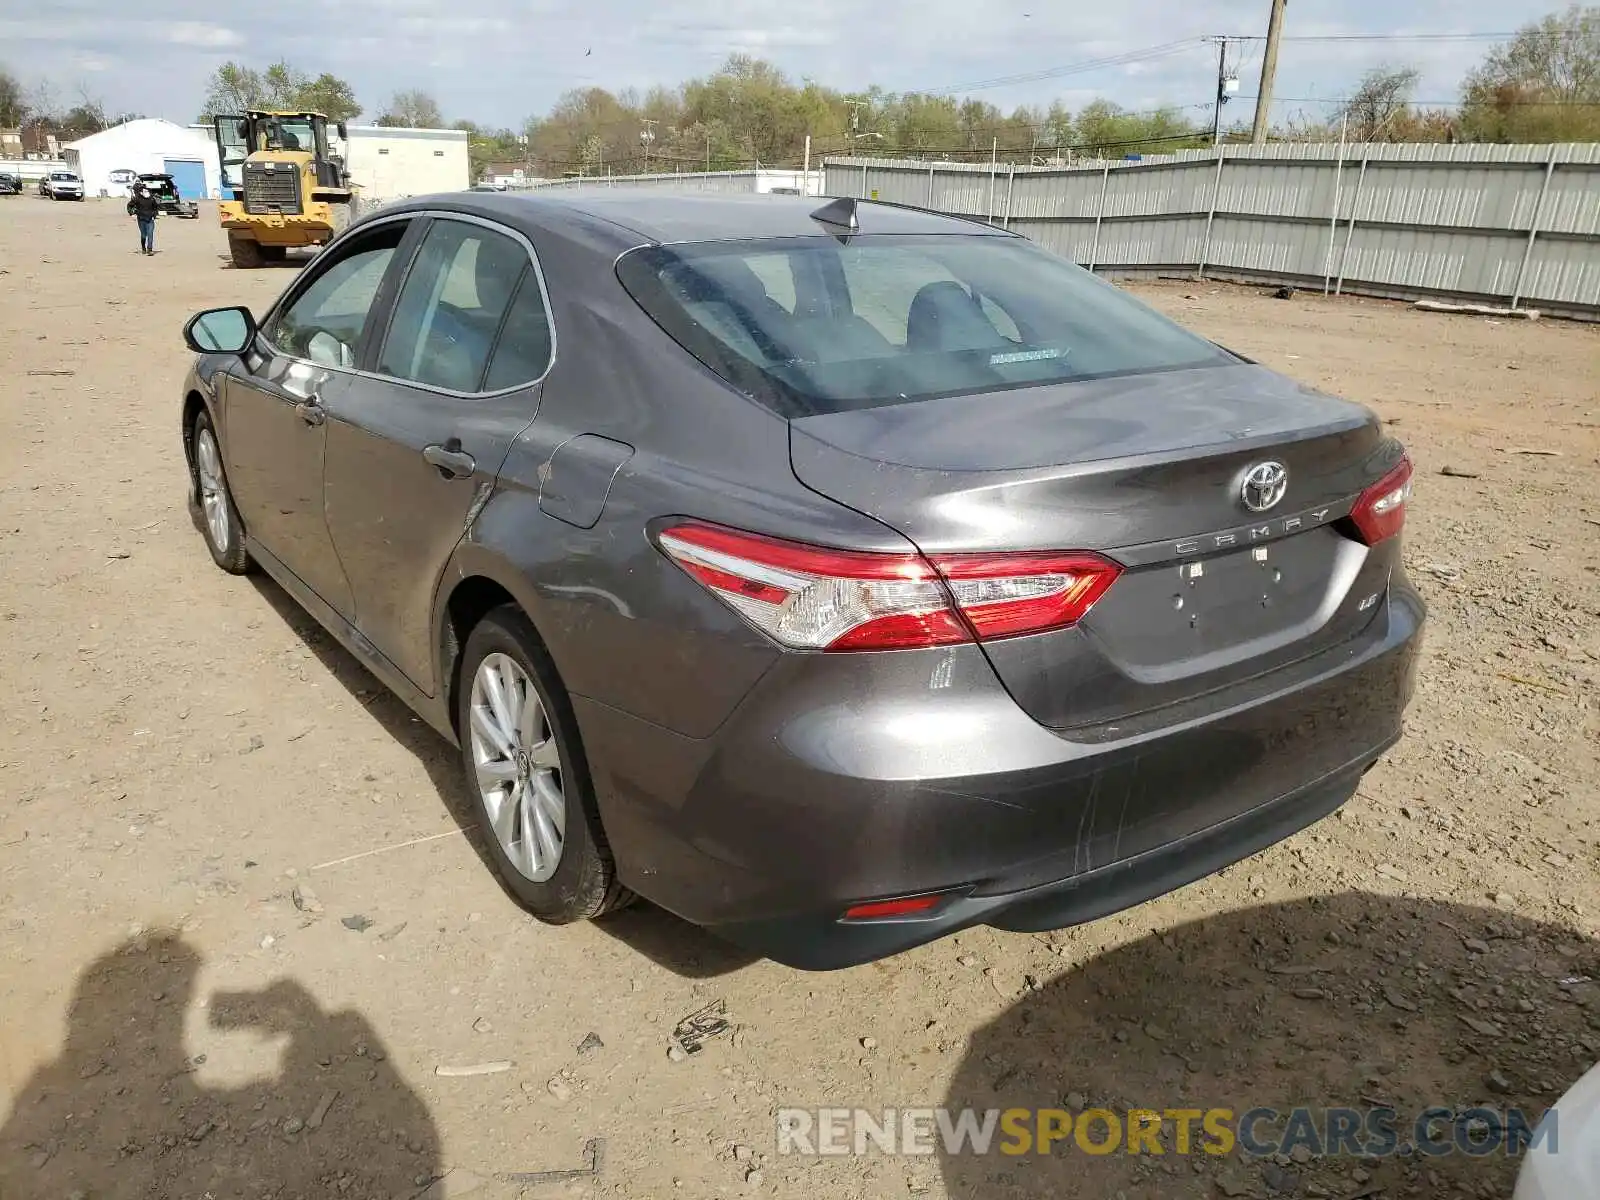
{"points": [[344, 131], [220, 331]]}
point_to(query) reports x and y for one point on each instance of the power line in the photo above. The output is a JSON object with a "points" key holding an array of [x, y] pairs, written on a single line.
{"points": [[1445, 103], [1401, 37], [1079, 68]]}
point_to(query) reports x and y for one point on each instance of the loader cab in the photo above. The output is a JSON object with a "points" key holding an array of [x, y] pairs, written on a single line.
{"points": [[289, 141]]}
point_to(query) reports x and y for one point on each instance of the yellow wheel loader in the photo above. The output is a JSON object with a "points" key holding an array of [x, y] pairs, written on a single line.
{"points": [[283, 184]]}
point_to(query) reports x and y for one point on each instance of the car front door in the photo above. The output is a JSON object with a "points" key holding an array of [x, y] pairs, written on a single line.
{"points": [[276, 400], [415, 445]]}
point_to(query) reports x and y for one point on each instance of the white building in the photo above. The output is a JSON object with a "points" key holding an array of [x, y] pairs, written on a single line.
{"points": [[391, 164], [107, 161]]}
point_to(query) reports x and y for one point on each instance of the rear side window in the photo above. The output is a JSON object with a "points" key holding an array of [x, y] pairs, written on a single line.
{"points": [[523, 351], [450, 310], [819, 325]]}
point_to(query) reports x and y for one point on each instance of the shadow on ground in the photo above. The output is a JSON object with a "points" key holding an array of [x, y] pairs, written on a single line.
{"points": [[685, 949], [1350, 1000], [290, 261], [120, 1112]]}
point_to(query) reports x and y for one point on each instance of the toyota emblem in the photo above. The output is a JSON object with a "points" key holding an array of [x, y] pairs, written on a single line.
{"points": [[1264, 485]]}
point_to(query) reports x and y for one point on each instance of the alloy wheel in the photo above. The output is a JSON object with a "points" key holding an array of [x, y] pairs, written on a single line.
{"points": [[518, 767], [213, 495]]}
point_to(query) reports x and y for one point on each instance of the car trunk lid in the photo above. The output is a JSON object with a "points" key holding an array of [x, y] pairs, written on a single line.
{"points": [[1149, 471]]}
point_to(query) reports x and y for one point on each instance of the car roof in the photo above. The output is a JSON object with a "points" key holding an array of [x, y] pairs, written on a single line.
{"points": [[665, 217]]}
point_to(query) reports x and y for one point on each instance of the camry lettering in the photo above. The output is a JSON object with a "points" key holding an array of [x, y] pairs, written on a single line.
{"points": [[1252, 533]]}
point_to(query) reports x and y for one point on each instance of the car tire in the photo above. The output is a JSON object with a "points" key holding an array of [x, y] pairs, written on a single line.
{"points": [[583, 882], [212, 500], [245, 252]]}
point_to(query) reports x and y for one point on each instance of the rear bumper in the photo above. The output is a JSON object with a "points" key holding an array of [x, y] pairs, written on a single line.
{"points": [[847, 778]]}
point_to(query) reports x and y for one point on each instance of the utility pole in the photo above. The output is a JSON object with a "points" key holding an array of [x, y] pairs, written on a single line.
{"points": [[1269, 74], [647, 135], [1222, 78]]}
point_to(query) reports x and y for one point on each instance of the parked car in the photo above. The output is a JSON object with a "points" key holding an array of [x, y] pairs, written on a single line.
{"points": [[61, 185], [835, 578], [165, 190], [1564, 1162], [10, 185]]}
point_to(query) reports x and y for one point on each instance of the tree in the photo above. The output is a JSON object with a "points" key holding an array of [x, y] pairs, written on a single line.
{"points": [[330, 96], [1384, 95], [13, 103], [1542, 86], [1103, 128], [234, 87], [413, 109]]}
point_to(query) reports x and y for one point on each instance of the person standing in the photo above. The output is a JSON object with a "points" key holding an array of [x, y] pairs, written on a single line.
{"points": [[142, 205]]}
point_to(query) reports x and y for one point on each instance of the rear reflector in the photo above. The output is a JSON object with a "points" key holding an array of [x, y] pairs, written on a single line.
{"points": [[1380, 511], [811, 598], [906, 906]]}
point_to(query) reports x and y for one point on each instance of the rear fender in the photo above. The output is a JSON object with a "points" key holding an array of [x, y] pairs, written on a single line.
{"points": [[473, 560]]}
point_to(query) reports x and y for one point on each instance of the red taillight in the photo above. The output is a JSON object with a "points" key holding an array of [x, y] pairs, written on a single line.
{"points": [[1006, 594], [1380, 511], [905, 906], [810, 598]]}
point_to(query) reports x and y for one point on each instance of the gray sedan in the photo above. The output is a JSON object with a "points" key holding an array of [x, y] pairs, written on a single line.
{"points": [[834, 576]]}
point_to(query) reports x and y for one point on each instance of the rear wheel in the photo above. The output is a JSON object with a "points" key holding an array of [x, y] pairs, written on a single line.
{"points": [[524, 764], [245, 251]]}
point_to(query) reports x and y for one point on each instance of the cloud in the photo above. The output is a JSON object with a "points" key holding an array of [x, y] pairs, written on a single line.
{"points": [[497, 61], [197, 33], [453, 27]]}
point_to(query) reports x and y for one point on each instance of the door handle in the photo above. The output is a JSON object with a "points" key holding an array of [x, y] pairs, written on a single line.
{"points": [[453, 462], [311, 411]]}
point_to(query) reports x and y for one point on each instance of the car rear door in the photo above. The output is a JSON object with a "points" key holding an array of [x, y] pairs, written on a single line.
{"points": [[275, 403], [415, 445]]}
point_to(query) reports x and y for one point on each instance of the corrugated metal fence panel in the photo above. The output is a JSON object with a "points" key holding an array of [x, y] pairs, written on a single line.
{"points": [[727, 183], [1429, 218], [1435, 260], [1573, 202], [1278, 189], [1130, 242], [1133, 192], [1057, 194], [951, 192], [1296, 248], [1070, 239], [1561, 272], [1473, 196]]}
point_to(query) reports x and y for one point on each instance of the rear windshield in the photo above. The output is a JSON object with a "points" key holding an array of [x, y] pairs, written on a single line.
{"points": [[816, 325]]}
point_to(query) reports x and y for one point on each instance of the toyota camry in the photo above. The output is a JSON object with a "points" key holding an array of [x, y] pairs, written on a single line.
{"points": [[835, 575]]}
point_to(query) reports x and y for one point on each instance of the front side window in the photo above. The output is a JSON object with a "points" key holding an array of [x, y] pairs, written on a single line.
{"points": [[450, 310], [323, 322], [818, 325]]}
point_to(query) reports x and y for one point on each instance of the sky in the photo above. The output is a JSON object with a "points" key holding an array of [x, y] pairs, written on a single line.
{"points": [[499, 61]]}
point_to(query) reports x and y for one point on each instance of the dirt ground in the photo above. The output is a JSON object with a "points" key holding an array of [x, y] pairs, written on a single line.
{"points": [[242, 930]]}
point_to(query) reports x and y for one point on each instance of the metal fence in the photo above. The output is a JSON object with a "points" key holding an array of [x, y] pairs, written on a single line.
{"points": [[1517, 225], [726, 183]]}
